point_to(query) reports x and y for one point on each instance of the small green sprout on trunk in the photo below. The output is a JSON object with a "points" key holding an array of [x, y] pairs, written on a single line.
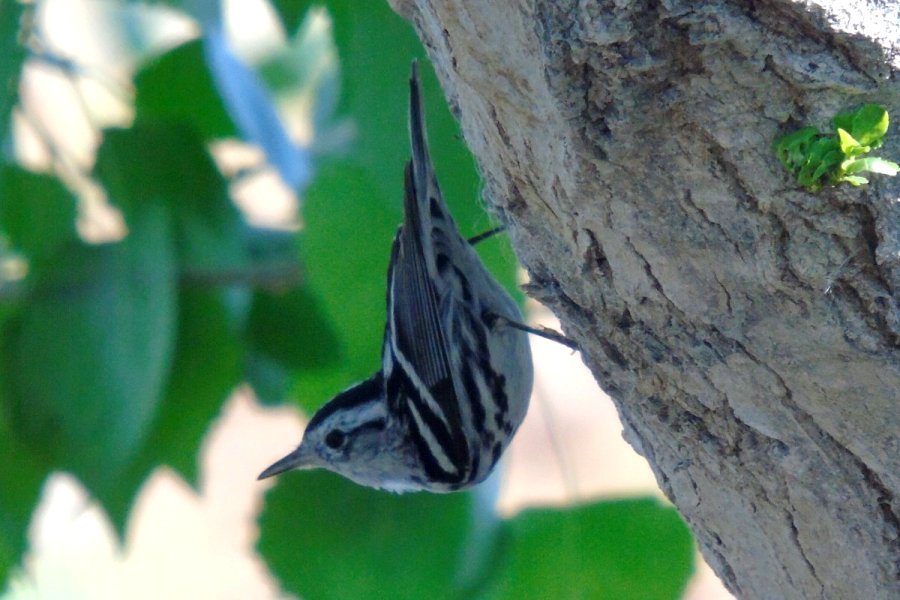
{"points": [[818, 159]]}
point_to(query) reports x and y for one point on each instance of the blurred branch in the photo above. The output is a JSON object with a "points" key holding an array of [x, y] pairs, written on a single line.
{"points": [[273, 276]]}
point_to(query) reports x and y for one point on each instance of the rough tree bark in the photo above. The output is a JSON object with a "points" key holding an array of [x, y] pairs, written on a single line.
{"points": [[747, 330]]}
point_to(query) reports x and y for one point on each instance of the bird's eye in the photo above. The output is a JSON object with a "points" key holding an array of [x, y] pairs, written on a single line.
{"points": [[334, 439]]}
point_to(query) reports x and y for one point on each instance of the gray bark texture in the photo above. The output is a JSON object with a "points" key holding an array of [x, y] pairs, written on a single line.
{"points": [[747, 330]]}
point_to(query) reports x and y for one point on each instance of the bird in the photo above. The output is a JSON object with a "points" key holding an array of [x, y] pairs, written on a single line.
{"points": [[456, 373]]}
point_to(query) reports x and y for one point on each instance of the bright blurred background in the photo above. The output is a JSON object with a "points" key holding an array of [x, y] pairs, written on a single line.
{"points": [[197, 200]]}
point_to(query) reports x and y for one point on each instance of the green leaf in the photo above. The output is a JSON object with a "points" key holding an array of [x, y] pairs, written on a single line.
{"points": [[37, 212], [820, 148], [271, 381], [619, 550], [847, 142], [289, 327], [13, 292], [854, 180], [870, 124], [816, 154], [159, 162], [12, 57], [843, 121], [205, 370], [345, 246], [169, 164], [86, 360], [376, 47], [291, 12], [288, 332], [177, 88], [20, 482], [791, 149], [872, 165], [828, 164], [327, 538]]}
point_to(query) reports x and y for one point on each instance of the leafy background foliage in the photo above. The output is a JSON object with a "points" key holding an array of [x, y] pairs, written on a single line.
{"points": [[116, 356]]}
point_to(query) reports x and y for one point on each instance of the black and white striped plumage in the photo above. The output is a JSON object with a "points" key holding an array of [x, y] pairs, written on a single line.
{"points": [[455, 379]]}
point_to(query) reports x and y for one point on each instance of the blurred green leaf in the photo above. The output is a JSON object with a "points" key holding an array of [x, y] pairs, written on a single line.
{"points": [[37, 212], [12, 56], [291, 12], [20, 482], [269, 379], [205, 370], [177, 88], [325, 538], [159, 162], [86, 360], [376, 48], [289, 327], [287, 332], [345, 246], [169, 164], [13, 294], [618, 549]]}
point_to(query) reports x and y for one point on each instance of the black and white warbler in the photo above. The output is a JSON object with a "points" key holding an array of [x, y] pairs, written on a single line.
{"points": [[456, 370]]}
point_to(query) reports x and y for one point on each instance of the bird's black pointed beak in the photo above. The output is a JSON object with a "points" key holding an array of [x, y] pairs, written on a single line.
{"points": [[297, 459]]}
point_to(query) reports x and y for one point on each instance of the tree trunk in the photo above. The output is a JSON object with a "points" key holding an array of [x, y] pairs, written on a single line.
{"points": [[746, 329]]}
